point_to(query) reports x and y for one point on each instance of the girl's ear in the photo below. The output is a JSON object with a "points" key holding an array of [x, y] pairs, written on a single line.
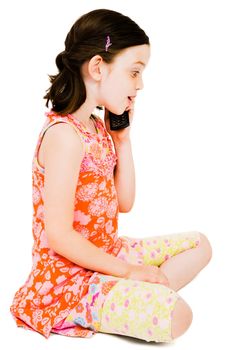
{"points": [[95, 67]]}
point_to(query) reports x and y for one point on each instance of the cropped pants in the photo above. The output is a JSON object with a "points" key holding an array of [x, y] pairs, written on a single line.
{"points": [[129, 307]]}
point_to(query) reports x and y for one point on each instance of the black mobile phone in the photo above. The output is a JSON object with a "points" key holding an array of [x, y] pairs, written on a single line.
{"points": [[119, 121]]}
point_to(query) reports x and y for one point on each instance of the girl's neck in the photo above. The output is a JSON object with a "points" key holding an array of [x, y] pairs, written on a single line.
{"points": [[83, 113]]}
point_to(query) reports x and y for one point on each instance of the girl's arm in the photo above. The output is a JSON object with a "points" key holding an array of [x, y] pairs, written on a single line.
{"points": [[82, 252], [124, 175]]}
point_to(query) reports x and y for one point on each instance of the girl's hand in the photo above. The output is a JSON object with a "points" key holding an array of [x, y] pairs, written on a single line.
{"points": [[121, 134], [147, 273]]}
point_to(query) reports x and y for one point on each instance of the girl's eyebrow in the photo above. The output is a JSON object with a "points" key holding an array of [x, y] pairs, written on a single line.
{"points": [[140, 63]]}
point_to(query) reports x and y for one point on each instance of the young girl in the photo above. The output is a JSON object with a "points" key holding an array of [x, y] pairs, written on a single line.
{"points": [[85, 278]]}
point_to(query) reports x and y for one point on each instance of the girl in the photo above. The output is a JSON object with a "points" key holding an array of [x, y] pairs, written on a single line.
{"points": [[85, 278]]}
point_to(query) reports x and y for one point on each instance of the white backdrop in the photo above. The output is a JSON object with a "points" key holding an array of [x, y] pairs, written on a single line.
{"points": [[182, 138]]}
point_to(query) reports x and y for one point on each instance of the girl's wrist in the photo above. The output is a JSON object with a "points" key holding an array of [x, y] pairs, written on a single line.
{"points": [[122, 141]]}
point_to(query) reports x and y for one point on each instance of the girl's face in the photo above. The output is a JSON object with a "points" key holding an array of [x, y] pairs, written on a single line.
{"points": [[123, 78]]}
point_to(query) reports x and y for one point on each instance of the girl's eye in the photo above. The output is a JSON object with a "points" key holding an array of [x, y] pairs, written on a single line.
{"points": [[135, 73]]}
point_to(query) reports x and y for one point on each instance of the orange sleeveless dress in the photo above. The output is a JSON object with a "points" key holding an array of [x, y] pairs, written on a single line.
{"points": [[55, 285]]}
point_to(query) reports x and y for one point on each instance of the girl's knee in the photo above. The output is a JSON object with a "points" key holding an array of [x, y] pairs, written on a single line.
{"points": [[206, 247], [181, 318]]}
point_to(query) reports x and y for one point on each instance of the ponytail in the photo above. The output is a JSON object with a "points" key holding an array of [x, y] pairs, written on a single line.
{"points": [[64, 86]]}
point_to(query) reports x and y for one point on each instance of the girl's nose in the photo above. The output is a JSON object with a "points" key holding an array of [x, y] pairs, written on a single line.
{"points": [[140, 84]]}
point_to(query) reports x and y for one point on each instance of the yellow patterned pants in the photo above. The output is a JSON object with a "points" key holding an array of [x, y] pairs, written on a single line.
{"points": [[143, 309]]}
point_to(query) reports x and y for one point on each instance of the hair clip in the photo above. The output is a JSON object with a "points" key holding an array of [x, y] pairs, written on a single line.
{"points": [[108, 43]]}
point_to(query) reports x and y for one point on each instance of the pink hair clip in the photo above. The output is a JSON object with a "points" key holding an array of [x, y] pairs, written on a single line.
{"points": [[108, 42]]}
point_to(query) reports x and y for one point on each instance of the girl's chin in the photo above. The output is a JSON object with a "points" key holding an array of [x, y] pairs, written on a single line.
{"points": [[117, 112]]}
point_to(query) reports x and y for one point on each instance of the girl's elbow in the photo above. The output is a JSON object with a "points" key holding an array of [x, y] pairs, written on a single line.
{"points": [[54, 242], [125, 209]]}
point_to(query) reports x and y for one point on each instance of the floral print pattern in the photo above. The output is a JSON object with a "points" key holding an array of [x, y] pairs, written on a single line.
{"points": [[139, 309]]}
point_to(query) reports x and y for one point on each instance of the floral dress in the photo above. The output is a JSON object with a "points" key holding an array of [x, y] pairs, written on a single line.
{"points": [[55, 285]]}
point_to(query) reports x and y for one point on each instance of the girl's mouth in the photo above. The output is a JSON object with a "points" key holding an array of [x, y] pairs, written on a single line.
{"points": [[131, 100]]}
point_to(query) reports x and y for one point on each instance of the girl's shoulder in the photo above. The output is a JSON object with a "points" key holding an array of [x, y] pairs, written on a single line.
{"points": [[54, 118]]}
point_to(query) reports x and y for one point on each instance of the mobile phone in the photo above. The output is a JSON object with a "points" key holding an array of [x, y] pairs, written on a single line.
{"points": [[119, 121]]}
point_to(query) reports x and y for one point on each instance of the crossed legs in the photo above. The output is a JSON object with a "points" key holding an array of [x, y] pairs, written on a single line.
{"points": [[148, 311]]}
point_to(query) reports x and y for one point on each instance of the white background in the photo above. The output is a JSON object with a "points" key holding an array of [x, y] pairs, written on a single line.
{"points": [[182, 139]]}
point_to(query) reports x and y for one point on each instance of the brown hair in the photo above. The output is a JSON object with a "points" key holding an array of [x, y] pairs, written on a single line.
{"points": [[86, 39]]}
